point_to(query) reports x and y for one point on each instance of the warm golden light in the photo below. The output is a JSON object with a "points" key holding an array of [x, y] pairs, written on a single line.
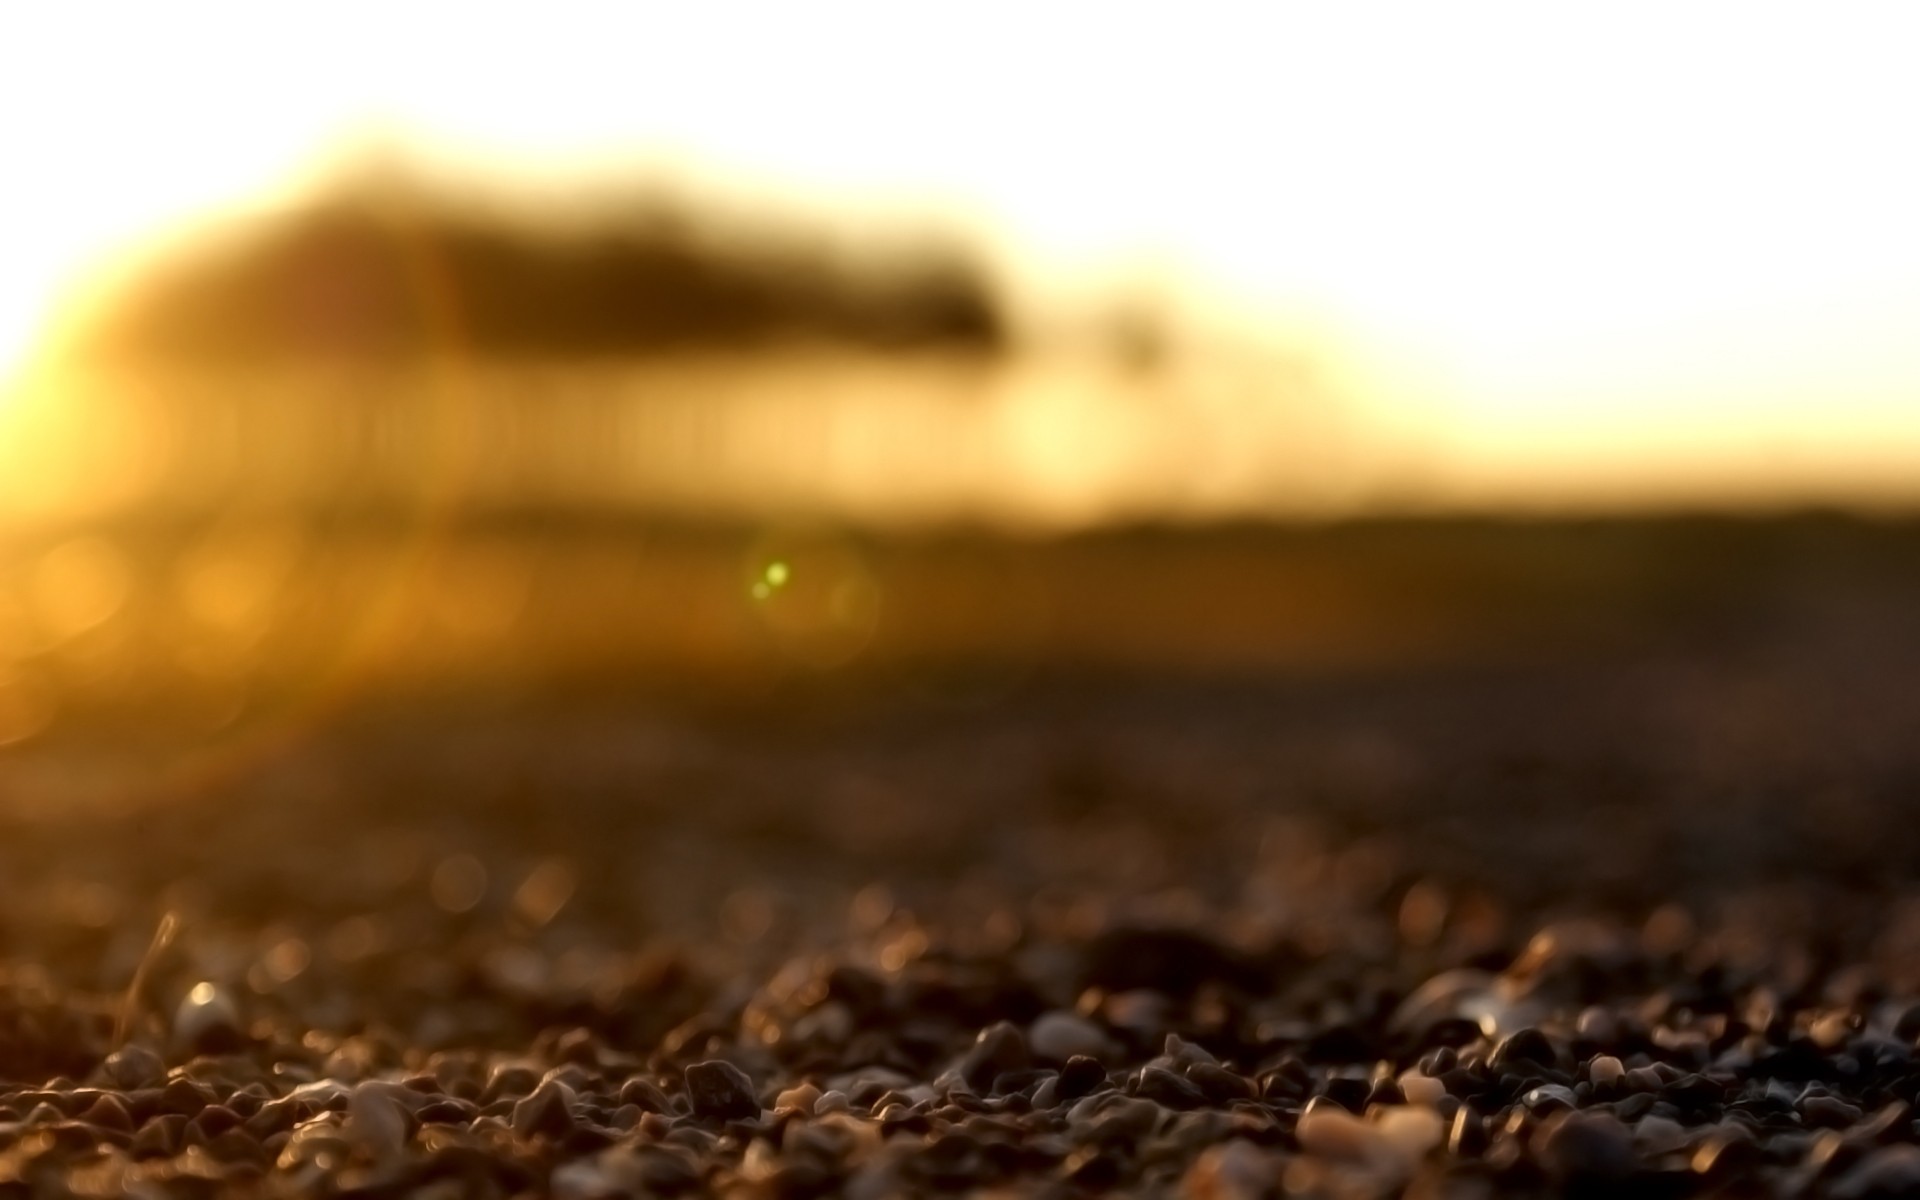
{"points": [[1573, 253]]}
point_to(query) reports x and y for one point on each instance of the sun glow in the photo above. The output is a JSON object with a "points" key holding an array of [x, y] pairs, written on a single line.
{"points": [[1592, 239]]}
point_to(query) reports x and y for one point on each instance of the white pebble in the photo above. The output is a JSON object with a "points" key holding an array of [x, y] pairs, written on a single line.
{"points": [[1421, 1089], [1604, 1069]]}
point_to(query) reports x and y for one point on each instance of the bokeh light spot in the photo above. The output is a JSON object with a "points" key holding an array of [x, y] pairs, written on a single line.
{"points": [[78, 585], [459, 883]]}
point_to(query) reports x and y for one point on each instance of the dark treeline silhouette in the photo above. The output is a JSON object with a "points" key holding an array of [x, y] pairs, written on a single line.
{"points": [[398, 271]]}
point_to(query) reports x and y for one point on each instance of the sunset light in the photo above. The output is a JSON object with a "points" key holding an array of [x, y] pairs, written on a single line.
{"points": [[1030, 598], [1524, 235]]}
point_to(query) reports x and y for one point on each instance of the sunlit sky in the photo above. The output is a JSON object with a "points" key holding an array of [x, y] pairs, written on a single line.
{"points": [[1568, 242]]}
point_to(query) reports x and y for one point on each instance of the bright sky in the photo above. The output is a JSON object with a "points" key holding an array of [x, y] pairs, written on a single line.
{"points": [[1562, 239]]}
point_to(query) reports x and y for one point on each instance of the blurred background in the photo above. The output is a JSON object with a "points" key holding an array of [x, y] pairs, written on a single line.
{"points": [[732, 355], [481, 488]]}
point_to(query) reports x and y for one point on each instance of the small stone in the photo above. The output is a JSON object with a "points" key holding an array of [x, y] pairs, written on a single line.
{"points": [[1000, 1048], [1328, 1131], [1826, 1112], [1643, 1079], [132, 1067], [1219, 1084], [158, 1139], [1523, 1046], [1081, 1076], [216, 1119], [1185, 1053], [184, 1097], [1421, 1089], [1583, 1147], [1165, 1088], [833, 1101], [109, 1112], [509, 1081], [207, 1021], [1605, 1070], [1550, 1096], [1598, 1025], [1058, 1036], [800, 1098], [547, 1111], [1467, 1136], [1657, 1135], [377, 1124], [645, 1094], [721, 1091], [1391, 1147], [1410, 1132]]}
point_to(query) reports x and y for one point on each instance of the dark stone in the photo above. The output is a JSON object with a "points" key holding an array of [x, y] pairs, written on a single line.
{"points": [[1523, 1046], [509, 1081], [546, 1112], [721, 1091], [1826, 1112], [216, 1119], [108, 1113], [1386, 1092], [1907, 1028], [1585, 1148], [132, 1067], [1220, 1085], [1009, 1082], [160, 1137], [1165, 1088], [184, 1097], [1081, 1076], [1349, 1093], [646, 1094], [1467, 1138], [999, 1048]]}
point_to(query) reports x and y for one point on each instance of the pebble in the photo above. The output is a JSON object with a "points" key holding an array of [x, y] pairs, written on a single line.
{"points": [[1583, 1147], [721, 1091], [1658, 1135], [998, 1049], [1421, 1089], [1288, 1065], [1165, 1088], [132, 1067], [547, 1111], [1080, 1076], [1523, 1047], [830, 1102], [1604, 1070], [207, 1021], [1057, 1036]]}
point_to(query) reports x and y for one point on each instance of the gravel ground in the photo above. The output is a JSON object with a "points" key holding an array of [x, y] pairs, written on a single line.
{"points": [[1649, 926]]}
